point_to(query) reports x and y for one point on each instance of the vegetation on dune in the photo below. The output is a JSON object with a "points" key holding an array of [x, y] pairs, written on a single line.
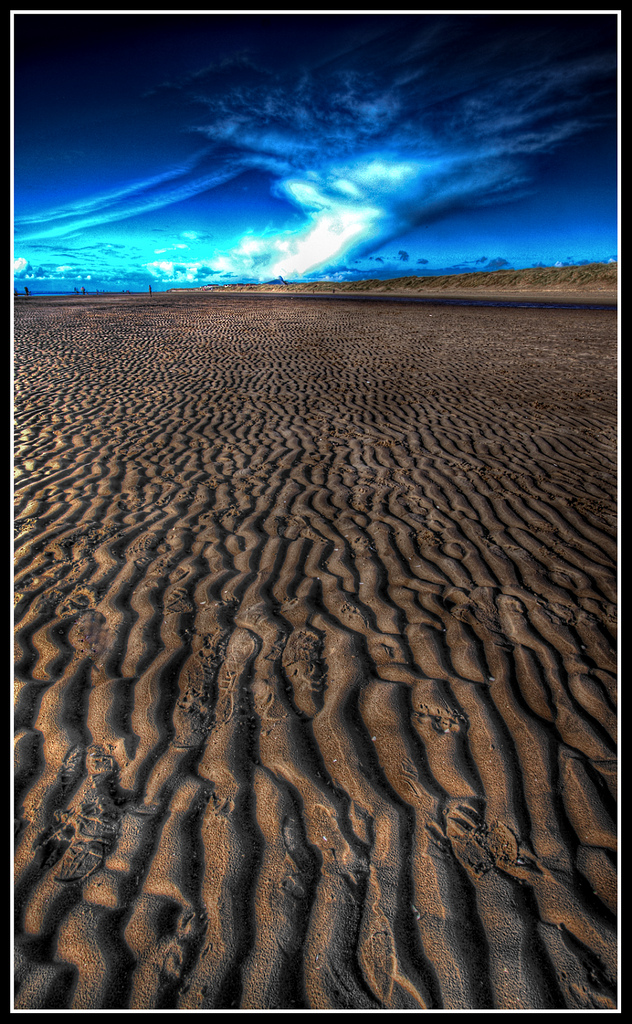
{"points": [[589, 277]]}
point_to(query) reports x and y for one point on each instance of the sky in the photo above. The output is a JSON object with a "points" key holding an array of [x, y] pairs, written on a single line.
{"points": [[180, 150]]}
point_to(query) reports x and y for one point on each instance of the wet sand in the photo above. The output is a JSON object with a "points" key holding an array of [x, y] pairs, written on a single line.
{"points": [[315, 657], [473, 296]]}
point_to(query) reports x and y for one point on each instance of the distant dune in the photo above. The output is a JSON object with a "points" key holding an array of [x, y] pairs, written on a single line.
{"points": [[593, 279]]}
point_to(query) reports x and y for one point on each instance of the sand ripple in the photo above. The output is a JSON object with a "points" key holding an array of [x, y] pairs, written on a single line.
{"points": [[315, 656]]}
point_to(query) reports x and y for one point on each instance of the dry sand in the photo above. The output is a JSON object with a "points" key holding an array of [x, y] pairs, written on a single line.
{"points": [[315, 667]]}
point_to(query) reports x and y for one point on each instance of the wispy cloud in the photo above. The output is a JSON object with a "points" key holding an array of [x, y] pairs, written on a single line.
{"points": [[142, 196]]}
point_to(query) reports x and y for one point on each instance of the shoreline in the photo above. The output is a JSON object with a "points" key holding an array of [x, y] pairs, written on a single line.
{"points": [[460, 297], [474, 297]]}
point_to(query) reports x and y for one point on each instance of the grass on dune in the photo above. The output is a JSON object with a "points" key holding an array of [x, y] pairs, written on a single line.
{"points": [[590, 277]]}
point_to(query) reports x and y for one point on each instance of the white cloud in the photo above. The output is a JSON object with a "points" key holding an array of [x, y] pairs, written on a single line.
{"points": [[348, 206], [343, 205], [186, 273], [22, 267]]}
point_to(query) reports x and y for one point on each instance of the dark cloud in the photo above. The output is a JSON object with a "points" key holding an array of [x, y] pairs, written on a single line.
{"points": [[498, 264]]}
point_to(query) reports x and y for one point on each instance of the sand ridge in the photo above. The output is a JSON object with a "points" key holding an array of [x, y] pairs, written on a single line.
{"points": [[589, 284], [315, 672]]}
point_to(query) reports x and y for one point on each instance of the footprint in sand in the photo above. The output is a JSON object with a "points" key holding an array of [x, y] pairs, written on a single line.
{"points": [[477, 846], [78, 600], [179, 602], [194, 712], [188, 931], [142, 550], [48, 602], [304, 667], [298, 864], [442, 719], [478, 608], [411, 778], [83, 834]]}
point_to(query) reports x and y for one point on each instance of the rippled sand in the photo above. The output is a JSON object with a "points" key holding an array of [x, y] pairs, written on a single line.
{"points": [[315, 671]]}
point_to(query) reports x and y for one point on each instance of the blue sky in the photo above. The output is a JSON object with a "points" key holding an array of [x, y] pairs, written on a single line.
{"points": [[178, 150]]}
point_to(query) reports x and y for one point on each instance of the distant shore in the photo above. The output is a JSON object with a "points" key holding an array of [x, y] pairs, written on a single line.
{"points": [[592, 284], [584, 285]]}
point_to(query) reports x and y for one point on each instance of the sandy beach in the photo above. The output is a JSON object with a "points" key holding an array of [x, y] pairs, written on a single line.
{"points": [[315, 654]]}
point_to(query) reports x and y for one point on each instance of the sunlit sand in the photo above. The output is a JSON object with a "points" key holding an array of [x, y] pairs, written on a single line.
{"points": [[315, 671]]}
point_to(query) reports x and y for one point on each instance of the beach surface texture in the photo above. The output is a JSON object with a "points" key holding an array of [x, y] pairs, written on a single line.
{"points": [[315, 669]]}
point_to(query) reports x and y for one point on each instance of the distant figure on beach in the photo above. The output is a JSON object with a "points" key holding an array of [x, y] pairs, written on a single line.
{"points": [[150, 289], [26, 291], [83, 290]]}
